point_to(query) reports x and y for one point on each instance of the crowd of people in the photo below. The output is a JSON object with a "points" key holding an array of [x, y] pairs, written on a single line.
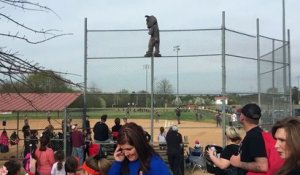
{"points": [[134, 154]]}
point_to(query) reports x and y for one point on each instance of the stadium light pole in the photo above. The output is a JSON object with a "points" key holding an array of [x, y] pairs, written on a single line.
{"points": [[177, 48]]}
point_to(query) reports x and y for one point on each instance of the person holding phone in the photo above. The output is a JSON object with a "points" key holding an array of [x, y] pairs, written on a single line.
{"points": [[135, 155]]}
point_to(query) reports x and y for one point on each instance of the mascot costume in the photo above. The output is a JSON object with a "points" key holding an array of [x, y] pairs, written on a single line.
{"points": [[154, 39]]}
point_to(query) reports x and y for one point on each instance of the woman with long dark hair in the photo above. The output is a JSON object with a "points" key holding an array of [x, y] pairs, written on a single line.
{"points": [[44, 157], [287, 135], [135, 155]]}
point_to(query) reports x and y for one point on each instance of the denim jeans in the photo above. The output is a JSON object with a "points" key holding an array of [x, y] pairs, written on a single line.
{"points": [[78, 152]]}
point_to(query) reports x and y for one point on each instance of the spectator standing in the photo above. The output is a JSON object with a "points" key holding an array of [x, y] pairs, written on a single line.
{"points": [[26, 136], [287, 135], [253, 156], [232, 148], [11, 167], [174, 150], [178, 114], [87, 136], [34, 140], [44, 157], [116, 128], [77, 143], [71, 166], [87, 125], [134, 154], [58, 167], [101, 130]]}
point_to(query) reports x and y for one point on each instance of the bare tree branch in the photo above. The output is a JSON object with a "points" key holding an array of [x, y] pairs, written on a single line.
{"points": [[14, 69]]}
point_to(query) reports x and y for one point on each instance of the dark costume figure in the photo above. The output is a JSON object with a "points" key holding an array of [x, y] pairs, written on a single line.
{"points": [[174, 150], [154, 39]]}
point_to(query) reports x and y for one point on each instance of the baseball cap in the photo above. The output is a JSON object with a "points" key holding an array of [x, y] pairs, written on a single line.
{"points": [[197, 144], [251, 111]]}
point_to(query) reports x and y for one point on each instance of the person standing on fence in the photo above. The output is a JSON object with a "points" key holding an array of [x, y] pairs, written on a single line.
{"points": [[253, 156], [77, 143], [154, 40], [134, 154], [174, 150], [287, 135]]}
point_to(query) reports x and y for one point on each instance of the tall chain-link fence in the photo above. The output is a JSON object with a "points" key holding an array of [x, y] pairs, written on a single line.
{"points": [[214, 62]]}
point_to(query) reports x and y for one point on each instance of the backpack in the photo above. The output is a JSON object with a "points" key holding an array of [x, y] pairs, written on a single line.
{"points": [[14, 138], [26, 162], [4, 142], [274, 160]]}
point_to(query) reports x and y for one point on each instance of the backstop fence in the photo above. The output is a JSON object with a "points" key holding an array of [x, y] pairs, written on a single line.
{"points": [[215, 61]]}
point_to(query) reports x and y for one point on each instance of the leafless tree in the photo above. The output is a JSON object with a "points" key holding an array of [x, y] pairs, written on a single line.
{"points": [[13, 68]]}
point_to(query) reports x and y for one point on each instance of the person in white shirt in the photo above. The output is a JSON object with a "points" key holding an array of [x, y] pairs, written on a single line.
{"points": [[58, 167], [162, 138]]}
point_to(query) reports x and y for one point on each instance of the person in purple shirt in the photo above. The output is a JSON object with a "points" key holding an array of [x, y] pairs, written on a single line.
{"points": [[77, 143], [134, 155]]}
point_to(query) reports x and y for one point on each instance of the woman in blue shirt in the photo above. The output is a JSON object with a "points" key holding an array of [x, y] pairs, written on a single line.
{"points": [[134, 155]]}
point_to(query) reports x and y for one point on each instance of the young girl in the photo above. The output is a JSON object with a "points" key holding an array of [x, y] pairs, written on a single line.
{"points": [[71, 166], [96, 166], [58, 167], [162, 138]]}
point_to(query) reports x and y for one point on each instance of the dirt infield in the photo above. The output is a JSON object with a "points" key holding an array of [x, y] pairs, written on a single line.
{"points": [[206, 133]]}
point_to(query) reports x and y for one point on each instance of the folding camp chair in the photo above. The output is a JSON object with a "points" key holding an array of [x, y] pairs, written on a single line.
{"points": [[196, 161]]}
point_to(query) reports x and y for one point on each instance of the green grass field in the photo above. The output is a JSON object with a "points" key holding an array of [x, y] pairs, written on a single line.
{"points": [[166, 114]]}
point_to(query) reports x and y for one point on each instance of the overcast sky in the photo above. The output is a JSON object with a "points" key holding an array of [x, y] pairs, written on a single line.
{"points": [[65, 54]]}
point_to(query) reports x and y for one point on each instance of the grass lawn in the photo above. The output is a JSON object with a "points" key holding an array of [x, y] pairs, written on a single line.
{"points": [[165, 113]]}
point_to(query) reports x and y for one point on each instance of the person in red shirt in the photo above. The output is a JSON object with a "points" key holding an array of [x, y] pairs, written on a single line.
{"points": [[44, 157], [77, 143]]}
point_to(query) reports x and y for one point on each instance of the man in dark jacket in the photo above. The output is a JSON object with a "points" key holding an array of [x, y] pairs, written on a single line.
{"points": [[174, 150], [101, 130]]}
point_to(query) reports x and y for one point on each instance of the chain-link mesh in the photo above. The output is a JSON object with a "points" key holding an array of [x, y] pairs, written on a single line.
{"points": [[251, 73]]}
